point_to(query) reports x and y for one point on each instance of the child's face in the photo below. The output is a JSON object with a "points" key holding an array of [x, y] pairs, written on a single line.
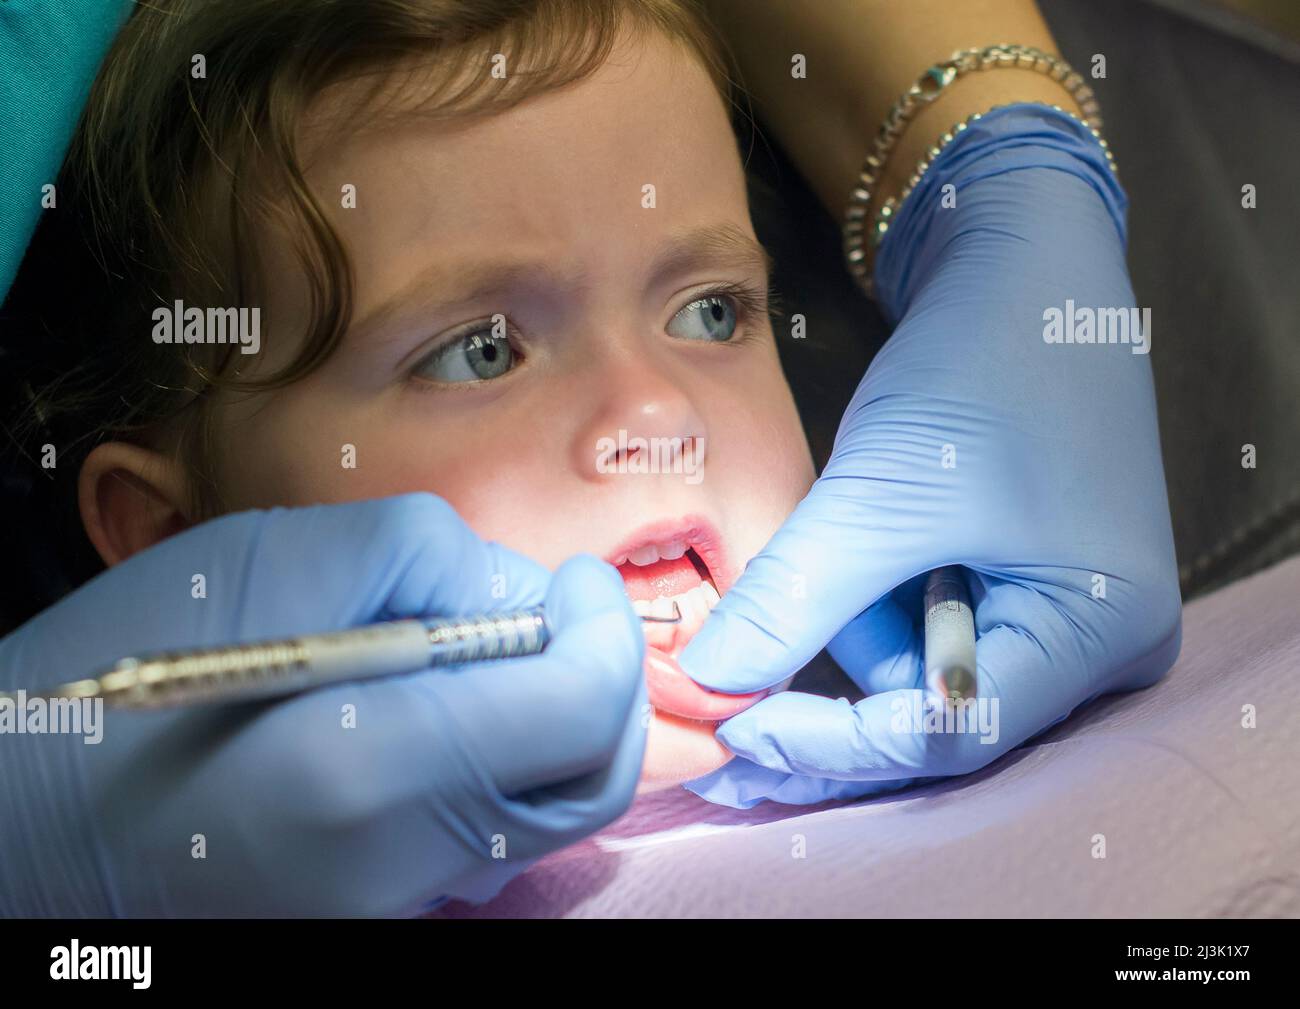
{"points": [[597, 342]]}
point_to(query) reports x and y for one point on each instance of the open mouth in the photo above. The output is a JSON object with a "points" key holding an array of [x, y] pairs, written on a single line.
{"points": [[681, 565], [655, 582]]}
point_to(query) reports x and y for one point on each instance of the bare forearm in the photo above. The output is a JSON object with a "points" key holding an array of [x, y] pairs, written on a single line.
{"points": [[861, 55]]}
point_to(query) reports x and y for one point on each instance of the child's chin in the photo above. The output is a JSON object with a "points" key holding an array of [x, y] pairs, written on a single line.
{"points": [[677, 750]]}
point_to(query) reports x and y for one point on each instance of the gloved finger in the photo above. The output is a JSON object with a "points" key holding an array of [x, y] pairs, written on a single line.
{"points": [[881, 648], [576, 808], [297, 570], [406, 556], [804, 734], [451, 570], [843, 548], [742, 784], [519, 829], [1030, 676], [560, 715], [503, 835], [1053, 614], [267, 574], [1029, 654]]}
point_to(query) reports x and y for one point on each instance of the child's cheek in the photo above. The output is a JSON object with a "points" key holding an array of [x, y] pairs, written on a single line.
{"points": [[518, 515]]}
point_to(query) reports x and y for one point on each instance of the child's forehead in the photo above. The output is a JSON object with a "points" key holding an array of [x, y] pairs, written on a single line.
{"points": [[648, 84], [585, 165]]}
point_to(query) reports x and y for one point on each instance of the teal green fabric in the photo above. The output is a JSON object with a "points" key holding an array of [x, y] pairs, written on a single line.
{"points": [[49, 53]]}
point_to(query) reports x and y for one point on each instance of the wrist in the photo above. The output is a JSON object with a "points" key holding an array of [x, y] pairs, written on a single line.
{"points": [[965, 96], [1014, 171]]}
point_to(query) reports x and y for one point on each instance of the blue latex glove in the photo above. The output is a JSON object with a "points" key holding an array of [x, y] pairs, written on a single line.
{"points": [[1057, 480], [49, 52], [300, 814]]}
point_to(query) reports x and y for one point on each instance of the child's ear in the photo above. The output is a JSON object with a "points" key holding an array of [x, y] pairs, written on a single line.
{"points": [[130, 499]]}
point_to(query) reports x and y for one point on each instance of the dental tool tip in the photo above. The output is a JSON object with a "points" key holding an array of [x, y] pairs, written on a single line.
{"points": [[676, 618], [957, 683]]}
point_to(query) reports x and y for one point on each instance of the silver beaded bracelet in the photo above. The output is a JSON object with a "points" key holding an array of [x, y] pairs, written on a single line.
{"points": [[927, 88]]}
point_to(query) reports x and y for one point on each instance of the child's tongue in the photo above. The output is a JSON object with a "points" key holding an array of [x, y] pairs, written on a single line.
{"points": [[662, 578]]}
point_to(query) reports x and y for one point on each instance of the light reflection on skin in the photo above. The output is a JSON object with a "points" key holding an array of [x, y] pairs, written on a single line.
{"points": [[558, 179]]}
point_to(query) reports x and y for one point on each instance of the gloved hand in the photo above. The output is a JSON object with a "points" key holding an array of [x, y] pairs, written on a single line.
{"points": [[971, 440], [450, 783]]}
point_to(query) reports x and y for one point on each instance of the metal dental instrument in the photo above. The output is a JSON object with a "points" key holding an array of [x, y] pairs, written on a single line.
{"points": [[274, 668], [949, 636]]}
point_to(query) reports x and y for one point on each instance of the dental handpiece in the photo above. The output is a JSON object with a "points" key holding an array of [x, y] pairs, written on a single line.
{"points": [[950, 669], [289, 666]]}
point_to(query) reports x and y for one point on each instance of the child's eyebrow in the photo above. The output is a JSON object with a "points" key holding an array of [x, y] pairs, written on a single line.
{"points": [[715, 244], [696, 248]]}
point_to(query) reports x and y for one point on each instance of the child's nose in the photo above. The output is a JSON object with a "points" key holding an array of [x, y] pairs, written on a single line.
{"points": [[637, 418]]}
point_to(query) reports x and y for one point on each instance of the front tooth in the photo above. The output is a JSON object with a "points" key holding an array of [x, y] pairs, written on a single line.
{"points": [[673, 550], [643, 607], [711, 596], [663, 608], [645, 556], [693, 607]]}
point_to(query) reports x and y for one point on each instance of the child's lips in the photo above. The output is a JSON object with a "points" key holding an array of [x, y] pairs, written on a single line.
{"points": [[695, 532], [672, 691], [691, 570]]}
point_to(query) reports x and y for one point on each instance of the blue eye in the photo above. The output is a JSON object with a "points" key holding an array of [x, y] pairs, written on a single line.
{"points": [[711, 318], [475, 357]]}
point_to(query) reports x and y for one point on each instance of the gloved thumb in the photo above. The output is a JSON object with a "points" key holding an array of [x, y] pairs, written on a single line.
{"points": [[840, 551]]}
